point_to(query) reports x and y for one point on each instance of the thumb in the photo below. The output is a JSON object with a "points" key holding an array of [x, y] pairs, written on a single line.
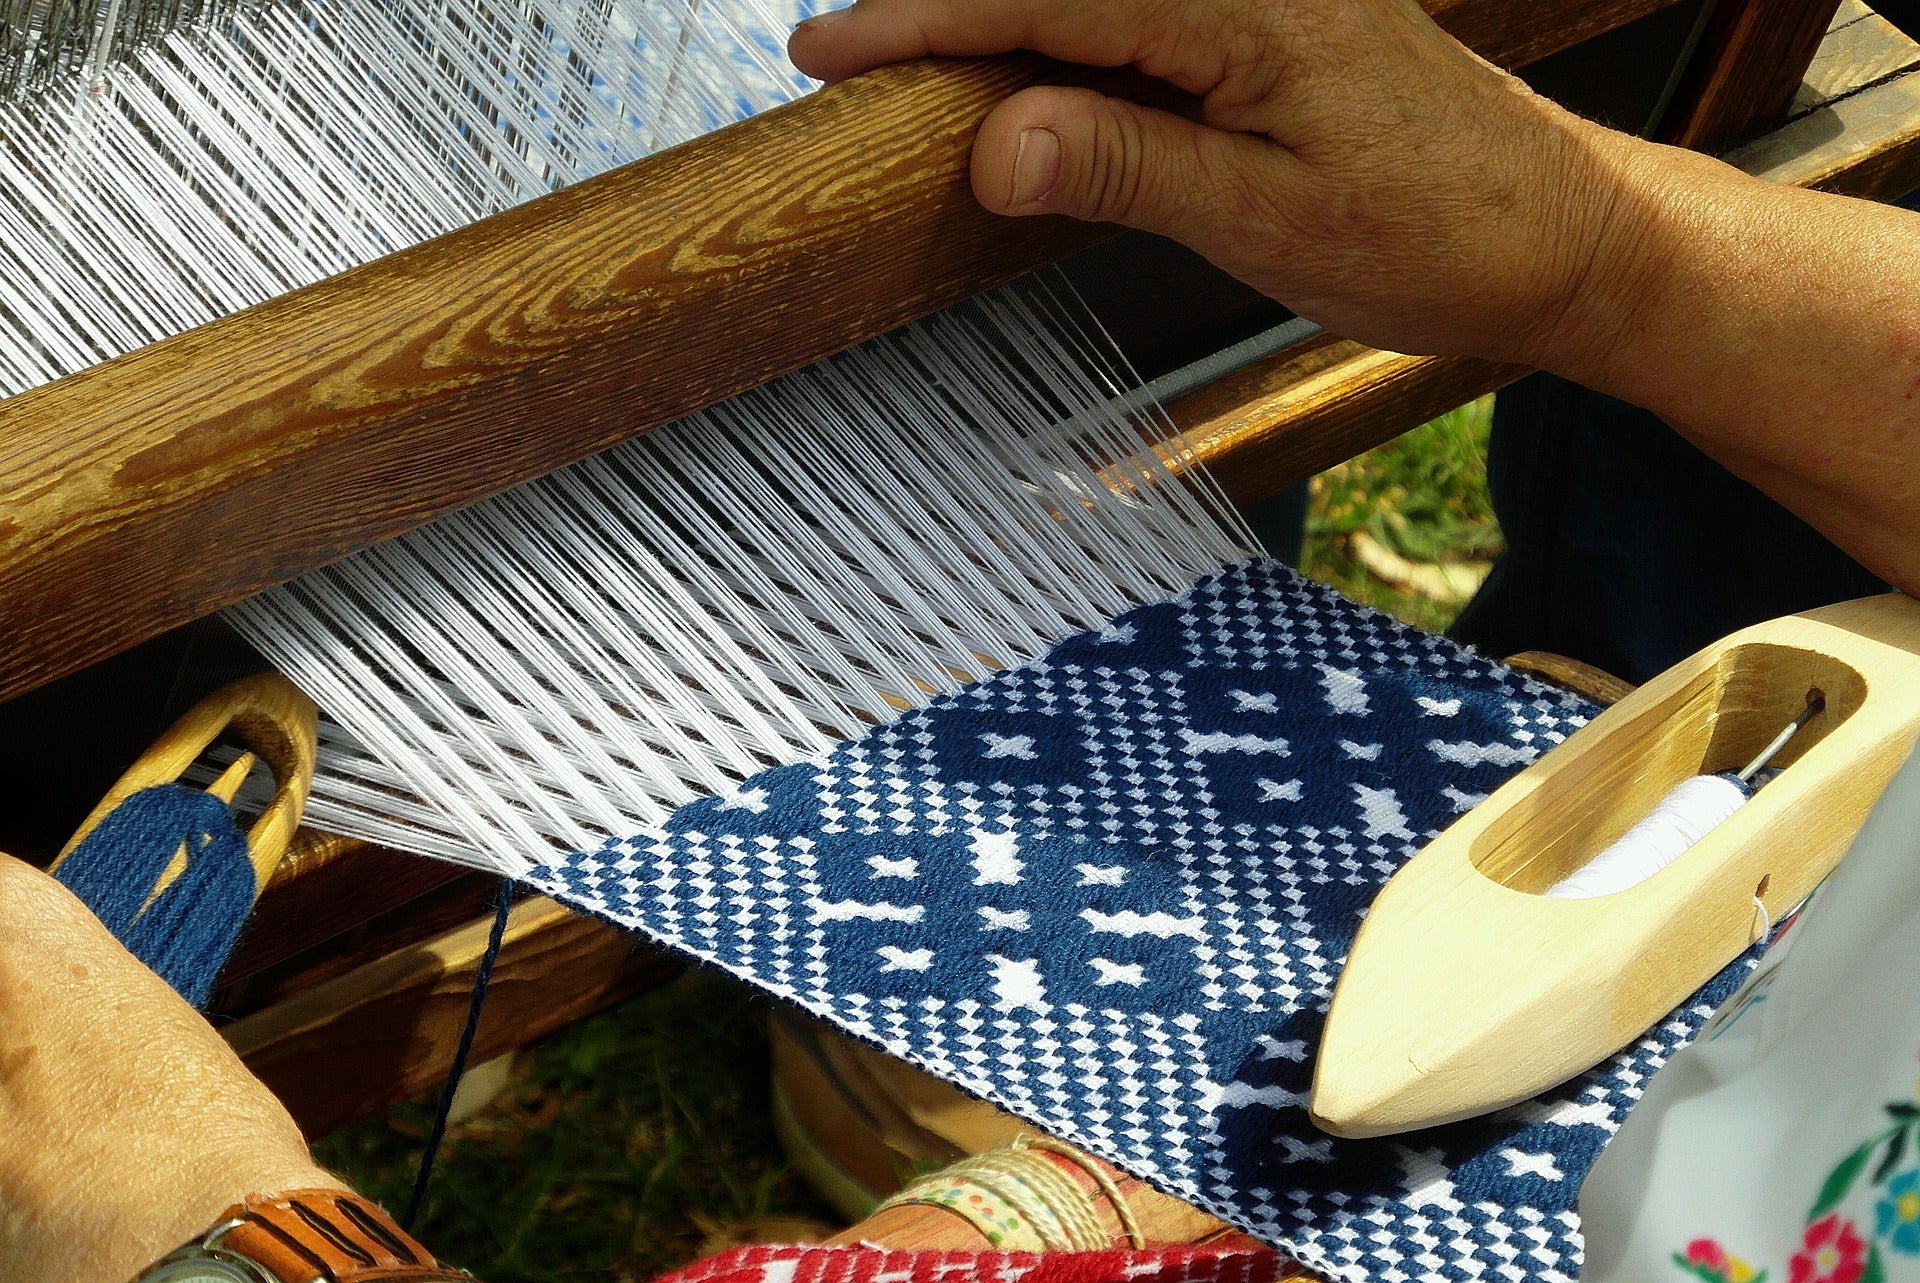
{"points": [[1055, 150]]}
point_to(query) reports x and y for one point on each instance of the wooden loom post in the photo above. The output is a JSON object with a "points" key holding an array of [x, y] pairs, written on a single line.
{"points": [[1744, 76]]}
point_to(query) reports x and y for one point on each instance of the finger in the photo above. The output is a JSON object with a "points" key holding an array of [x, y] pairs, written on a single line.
{"points": [[1080, 153], [1158, 35]]}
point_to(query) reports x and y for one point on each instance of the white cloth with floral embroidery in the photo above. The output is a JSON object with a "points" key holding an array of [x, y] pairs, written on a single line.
{"points": [[1784, 1145]]}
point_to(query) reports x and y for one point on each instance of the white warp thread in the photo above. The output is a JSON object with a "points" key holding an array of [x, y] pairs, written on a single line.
{"points": [[1684, 816], [574, 659], [232, 161]]}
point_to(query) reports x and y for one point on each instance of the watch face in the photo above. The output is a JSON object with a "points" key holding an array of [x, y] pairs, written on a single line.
{"points": [[199, 1270]]}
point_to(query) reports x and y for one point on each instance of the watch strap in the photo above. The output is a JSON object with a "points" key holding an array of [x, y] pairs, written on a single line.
{"points": [[326, 1236]]}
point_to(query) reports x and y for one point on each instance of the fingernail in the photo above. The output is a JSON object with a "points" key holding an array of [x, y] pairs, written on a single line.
{"points": [[821, 20], [1036, 166]]}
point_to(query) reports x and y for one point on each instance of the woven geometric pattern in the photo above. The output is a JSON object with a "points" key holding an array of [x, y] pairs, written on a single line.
{"points": [[1110, 891]]}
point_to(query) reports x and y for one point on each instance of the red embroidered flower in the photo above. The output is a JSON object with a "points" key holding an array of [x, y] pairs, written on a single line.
{"points": [[1831, 1252], [1706, 1254]]}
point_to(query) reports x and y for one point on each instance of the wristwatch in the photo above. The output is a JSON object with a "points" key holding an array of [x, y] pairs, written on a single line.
{"points": [[305, 1236]]}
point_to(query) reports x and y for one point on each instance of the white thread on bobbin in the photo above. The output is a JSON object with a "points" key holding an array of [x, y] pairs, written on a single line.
{"points": [[1692, 810], [1682, 818]]}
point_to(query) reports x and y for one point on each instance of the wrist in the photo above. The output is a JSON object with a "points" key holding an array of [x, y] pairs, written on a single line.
{"points": [[72, 1233], [1646, 224]]}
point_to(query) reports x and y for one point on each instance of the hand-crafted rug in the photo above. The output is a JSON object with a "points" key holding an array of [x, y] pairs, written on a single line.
{"points": [[1110, 891]]}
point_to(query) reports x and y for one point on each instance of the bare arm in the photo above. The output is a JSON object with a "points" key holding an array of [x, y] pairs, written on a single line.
{"points": [[1360, 166], [1778, 329]]}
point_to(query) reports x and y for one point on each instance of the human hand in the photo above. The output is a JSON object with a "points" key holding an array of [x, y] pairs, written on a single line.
{"points": [[1353, 161], [126, 1124]]}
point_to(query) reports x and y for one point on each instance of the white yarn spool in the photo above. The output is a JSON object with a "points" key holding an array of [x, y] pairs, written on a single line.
{"points": [[1683, 817]]}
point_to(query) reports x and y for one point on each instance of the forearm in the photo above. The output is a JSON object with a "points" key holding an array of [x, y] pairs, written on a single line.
{"points": [[1776, 328]]}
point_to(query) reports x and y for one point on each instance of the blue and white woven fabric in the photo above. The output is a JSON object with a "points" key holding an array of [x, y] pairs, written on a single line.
{"points": [[1110, 891]]}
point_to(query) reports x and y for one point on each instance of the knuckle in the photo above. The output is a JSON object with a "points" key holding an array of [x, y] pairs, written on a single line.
{"points": [[1114, 177]]}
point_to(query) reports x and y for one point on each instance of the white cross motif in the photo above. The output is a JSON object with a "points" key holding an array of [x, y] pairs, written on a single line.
{"points": [[1298, 1151], [1221, 742], [1004, 919], [895, 958], [1118, 973], [854, 911], [1346, 691], [1127, 922], [1014, 746], [1521, 1163], [752, 800], [1017, 983], [1215, 1096], [1466, 754], [1380, 811], [1274, 792], [1271, 1048], [1243, 702]]}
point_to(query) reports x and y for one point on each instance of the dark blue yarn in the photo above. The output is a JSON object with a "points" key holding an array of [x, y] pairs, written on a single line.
{"points": [[423, 1176], [187, 932]]}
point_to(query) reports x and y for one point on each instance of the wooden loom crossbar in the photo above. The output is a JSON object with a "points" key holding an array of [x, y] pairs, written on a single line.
{"points": [[171, 482]]}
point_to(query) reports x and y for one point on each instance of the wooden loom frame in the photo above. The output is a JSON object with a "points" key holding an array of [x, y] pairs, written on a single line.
{"points": [[170, 483]]}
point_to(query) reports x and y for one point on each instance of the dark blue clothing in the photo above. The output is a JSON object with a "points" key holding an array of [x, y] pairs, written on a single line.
{"points": [[1627, 547]]}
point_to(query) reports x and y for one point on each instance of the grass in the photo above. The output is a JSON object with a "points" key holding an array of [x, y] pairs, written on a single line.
{"points": [[642, 1139], [1423, 498], [627, 1145]]}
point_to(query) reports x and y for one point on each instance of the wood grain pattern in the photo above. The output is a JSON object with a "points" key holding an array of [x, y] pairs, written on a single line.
{"points": [[178, 478], [1283, 419], [1862, 49], [1412, 1037], [1866, 144], [1748, 68], [167, 484], [1582, 679], [388, 1029]]}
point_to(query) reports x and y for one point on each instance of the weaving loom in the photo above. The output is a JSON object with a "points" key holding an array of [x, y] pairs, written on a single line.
{"points": [[70, 598]]}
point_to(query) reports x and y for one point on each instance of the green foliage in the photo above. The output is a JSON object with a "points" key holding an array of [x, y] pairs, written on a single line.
{"points": [[1424, 497], [1840, 1180], [624, 1146]]}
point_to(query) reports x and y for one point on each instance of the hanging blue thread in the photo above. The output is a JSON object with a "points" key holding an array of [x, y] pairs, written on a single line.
{"points": [[188, 930], [503, 905]]}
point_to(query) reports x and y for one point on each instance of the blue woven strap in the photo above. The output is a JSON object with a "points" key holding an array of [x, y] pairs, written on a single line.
{"points": [[188, 930]]}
